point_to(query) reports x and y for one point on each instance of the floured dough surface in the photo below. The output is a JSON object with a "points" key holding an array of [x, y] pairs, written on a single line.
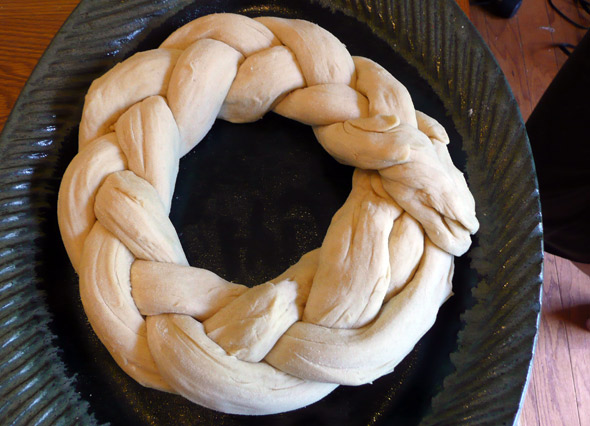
{"points": [[345, 313]]}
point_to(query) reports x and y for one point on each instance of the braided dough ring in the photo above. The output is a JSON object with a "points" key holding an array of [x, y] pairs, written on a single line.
{"points": [[346, 313]]}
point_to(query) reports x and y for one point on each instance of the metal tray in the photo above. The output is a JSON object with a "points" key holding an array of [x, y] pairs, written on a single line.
{"points": [[472, 366]]}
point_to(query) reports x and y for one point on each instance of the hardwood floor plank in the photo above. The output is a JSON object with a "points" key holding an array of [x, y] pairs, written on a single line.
{"points": [[34, 35], [575, 294], [554, 384], [529, 415], [538, 50], [477, 16], [564, 32], [464, 5], [503, 38]]}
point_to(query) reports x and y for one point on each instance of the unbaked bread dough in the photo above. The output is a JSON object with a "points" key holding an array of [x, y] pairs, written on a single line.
{"points": [[347, 312]]}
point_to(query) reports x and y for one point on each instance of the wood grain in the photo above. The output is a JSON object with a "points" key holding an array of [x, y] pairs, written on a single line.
{"points": [[553, 380], [464, 5], [559, 391], [537, 48], [574, 288], [563, 31], [524, 46], [530, 409], [507, 48], [26, 28]]}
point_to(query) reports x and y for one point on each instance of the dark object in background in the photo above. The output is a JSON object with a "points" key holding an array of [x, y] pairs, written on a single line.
{"points": [[583, 4], [502, 8], [559, 131]]}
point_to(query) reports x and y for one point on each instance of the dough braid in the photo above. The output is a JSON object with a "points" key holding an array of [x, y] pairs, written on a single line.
{"points": [[347, 312]]}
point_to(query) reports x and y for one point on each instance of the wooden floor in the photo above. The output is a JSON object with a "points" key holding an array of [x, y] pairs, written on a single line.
{"points": [[559, 391]]}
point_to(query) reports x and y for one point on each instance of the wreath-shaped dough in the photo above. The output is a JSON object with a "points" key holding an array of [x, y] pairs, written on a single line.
{"points": [[347, 312]]}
